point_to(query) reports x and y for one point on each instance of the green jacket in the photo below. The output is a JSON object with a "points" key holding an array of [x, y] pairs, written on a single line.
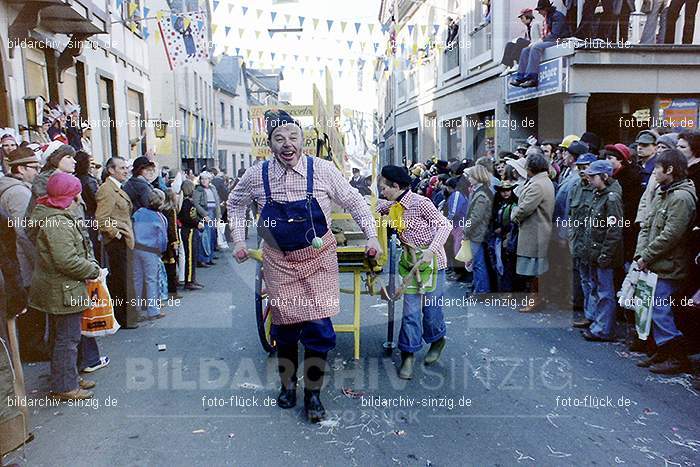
{"points": [[604, 228], [478, 215], [64, 262], [580, 198], [663, 240]]}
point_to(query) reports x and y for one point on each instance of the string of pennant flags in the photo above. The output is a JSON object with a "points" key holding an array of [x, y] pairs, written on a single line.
{"points": [[377, 49]]}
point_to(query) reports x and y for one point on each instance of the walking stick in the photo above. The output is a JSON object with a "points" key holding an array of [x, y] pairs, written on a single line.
{"points": [[15, 359], [389, 344]]}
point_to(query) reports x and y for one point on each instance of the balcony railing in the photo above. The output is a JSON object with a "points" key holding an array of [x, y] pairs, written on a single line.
{"points": [[451, 58]]}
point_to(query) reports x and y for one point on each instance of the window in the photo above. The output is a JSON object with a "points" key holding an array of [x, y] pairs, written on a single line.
{"points": [[107, 117], [480, 31], [240, 118], [36, 81], [250, 160], [453, 130], [222, 160], [185, 123], [242, 161], [223, 114], [133, 7], [250, 122], [233, 116], [135, 111]]}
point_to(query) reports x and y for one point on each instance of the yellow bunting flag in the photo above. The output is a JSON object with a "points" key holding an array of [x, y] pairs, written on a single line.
{"points": [[133, 6], [343, 25], [160, 14], [214, 27], [315, 21]]}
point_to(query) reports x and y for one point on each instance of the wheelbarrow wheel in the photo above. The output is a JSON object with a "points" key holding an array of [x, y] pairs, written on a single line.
{"points": [[263, 315]]}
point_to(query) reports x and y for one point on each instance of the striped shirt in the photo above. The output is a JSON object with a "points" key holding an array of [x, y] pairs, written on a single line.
{"points": [[425, 226], [287, 185]]}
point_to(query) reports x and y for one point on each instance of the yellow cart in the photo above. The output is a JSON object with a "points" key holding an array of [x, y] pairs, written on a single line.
{"points": [[351, 259]]}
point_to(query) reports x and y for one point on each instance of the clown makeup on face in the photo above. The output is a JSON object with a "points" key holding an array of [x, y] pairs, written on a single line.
{"points": [[286, 143], [501, 169]]}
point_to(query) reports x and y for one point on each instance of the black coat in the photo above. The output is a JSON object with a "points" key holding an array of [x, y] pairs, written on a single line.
{"points": [[630, 179], [89, 193]]}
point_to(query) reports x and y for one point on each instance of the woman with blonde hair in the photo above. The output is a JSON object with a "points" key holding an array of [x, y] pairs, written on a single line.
{"points": [[477, 223]]}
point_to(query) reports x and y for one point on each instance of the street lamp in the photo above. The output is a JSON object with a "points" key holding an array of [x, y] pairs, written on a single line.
{"points": [[34, 108], [160, 128]]}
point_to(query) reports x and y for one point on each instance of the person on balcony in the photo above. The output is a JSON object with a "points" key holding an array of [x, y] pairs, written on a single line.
{"points": [[531, 33], [452, 31], [674, 9], [531, 56]]}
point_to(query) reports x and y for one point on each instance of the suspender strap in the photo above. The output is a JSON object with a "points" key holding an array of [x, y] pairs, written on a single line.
{"points": [[309, 177], [266, 179]]}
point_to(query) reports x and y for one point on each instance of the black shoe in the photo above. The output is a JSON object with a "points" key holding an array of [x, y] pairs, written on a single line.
{"points": [[589, 336], [202, 265], [517, 82], [678, 359], [193, 286], [661, 355], [312, 406], [638, 345], [672, 366], [287, 364], [287, 397], [531, 83], [582, 323]]}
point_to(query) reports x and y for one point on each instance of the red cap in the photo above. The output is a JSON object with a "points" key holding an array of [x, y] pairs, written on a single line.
{"points": [[621, 149]]}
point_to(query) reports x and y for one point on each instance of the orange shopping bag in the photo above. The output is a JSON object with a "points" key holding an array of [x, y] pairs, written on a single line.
{"points": [[99, 319]]}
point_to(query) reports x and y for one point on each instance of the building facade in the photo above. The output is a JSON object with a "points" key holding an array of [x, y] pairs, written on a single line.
{"points": [[80, 52], [184, 98], [232, 114], [452, 100]]}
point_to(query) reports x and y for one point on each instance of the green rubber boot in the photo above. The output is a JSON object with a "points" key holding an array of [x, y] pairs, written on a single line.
{"points": [[435, 351]]}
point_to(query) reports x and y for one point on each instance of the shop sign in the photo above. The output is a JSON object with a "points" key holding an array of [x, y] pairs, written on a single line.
{"points": [[551, 81]]}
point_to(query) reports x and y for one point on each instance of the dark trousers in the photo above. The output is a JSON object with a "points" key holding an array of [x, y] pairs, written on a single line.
{"points": [[674, 9], [317, 335], [88, 352], [511, 53], [32, 327], [171, 272], [587, 27], [65, 330], [120, 289], [190, 245]]}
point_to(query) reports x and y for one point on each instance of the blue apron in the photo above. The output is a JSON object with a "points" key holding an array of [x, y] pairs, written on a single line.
{"points": [[291, 226]]}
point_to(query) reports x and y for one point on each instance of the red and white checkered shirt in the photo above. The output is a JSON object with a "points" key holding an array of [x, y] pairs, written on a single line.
{"points": [[287, 185], [426, 227]]}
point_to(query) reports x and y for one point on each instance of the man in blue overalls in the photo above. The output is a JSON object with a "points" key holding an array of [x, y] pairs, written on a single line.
{"points": [[300, 266]]}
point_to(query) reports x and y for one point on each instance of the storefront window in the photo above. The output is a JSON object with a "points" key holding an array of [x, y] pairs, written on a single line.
{"points": [[453, 130]]}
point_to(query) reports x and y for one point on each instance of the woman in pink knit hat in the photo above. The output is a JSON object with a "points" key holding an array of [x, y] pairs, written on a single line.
{"points": [[64, 262]]}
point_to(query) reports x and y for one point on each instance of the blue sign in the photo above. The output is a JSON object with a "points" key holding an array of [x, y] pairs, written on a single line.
{"points": [[551, 81]]}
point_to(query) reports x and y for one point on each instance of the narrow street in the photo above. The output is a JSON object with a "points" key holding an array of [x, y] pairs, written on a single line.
{"points": [[504, 393]]}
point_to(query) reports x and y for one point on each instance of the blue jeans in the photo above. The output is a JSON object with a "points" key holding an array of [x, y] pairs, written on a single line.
{"points": [[664, 327], [530, 59], [146, 281], [481, 283], [210, 229], [64, 353], [603, 301], [432, 326], [88, 353], [584, 271], [317, 335]]}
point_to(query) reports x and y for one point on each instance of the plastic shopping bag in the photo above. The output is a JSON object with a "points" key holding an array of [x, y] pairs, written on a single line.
{"points": [[99, 319], [626, 293], [221, 236], [644, 302], [465, 252]]}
